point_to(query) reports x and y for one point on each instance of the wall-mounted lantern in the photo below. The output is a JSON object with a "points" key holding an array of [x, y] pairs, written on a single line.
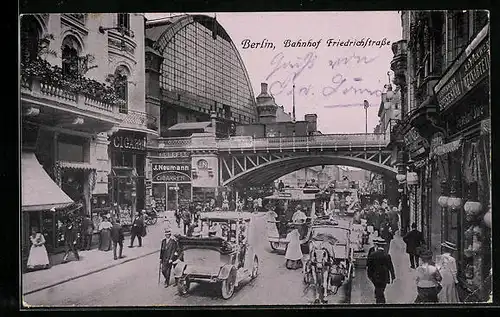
{"points": [[454, 202]]}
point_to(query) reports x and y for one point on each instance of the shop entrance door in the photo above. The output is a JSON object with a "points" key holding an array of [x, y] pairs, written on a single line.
{"points": [[160, 196], [172, 196]]}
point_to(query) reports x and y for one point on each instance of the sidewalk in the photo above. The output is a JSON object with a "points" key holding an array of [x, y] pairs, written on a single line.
{"points": [[94, 260], [402, 291]]}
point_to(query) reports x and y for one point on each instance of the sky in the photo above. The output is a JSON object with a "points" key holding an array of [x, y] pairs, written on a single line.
{"points": [[328, 72]]}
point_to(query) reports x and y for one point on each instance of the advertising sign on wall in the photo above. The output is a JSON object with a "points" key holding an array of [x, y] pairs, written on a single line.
{"points": [[474, 67], [171, 172]]}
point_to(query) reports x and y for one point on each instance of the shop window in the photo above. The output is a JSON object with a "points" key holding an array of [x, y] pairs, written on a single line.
{"points": [[460, 32], [70, 52], [71, 148], [480, 20]]}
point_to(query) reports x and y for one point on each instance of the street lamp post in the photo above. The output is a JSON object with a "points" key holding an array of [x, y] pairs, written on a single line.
{"points": [[366, 105]]}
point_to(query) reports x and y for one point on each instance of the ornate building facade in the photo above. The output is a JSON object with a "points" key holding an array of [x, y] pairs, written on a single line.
{"points": [[442, 144], [83, 113]]}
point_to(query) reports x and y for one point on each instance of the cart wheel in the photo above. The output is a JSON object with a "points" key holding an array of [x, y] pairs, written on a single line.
{"points": [[183, 286], [227, 285], [255, 267]]}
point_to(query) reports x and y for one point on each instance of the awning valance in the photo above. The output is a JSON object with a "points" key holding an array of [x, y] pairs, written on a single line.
{"points": [[39, 191], [190, 126], [76, 165]]}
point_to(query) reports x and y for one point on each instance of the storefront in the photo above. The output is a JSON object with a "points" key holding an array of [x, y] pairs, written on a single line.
{"points": [[64, 160], [464, 158], [171, 184], [127, 178], [417, 177], [39, 195]]}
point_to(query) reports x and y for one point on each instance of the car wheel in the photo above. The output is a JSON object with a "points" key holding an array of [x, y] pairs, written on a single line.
{"points": [[255, 267], [227, 285], [183, 286]]}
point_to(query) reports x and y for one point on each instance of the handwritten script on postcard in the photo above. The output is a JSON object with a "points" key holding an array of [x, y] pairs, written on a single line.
{"points": [[317, 69]]}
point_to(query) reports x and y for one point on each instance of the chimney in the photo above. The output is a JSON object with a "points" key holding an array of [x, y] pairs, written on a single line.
{"points": [[263, 88]]}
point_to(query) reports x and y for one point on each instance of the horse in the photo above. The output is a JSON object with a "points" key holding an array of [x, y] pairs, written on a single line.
{"points": [[318, 267]]}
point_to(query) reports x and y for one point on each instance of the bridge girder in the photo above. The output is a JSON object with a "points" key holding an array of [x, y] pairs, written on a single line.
{"points": [[252, 169]]}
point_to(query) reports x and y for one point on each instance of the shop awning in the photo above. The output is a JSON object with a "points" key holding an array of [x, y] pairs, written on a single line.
{"points": [[190, 126], [39, 191], [76, 165]]}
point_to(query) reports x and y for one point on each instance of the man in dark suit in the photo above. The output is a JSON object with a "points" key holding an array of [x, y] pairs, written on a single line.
{"points": [[380, 270], [70, 233], [414, 240], [168, 254], [386, 234], [117, 237], [137, 229], [186, 219], [88, 232]]}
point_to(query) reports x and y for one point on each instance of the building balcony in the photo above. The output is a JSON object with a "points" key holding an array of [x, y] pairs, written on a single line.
{"points": [[81, 104], [399, 61], [139, 121]]}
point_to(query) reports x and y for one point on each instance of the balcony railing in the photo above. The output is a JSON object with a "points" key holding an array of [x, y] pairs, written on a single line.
{"points": [[41, 79], [139, 118], [361, 140], [173, 143], [61, 94]]}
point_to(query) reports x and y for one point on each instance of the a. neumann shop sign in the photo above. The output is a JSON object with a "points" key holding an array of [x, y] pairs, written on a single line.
{"points": [[474, 67]]}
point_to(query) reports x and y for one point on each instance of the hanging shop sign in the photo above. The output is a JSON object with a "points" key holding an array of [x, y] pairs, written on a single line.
{"points": [[447, 148], [172, 176], [125, 140], [472, 68], [415, 143], [161, 168]]}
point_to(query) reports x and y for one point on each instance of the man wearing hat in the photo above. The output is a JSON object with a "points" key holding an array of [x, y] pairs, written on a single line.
{"points": [[168, 254], [414, 241], [70, 232], [380, 269], [447, 266]]}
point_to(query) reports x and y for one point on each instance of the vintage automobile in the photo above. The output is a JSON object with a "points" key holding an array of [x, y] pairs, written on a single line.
{"points": [[223, 254], [278, 229], [329, 244]]}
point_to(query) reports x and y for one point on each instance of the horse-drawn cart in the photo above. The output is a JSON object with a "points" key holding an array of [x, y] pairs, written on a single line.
{"points": [[330, 264], [279, 229]]}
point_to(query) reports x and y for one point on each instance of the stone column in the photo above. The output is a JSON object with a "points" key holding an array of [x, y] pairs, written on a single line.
{"points": [[99, 158]]}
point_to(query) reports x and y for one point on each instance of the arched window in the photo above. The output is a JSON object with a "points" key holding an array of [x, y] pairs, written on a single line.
{"points": [[121, 86], [70, 52], [30, 36]]}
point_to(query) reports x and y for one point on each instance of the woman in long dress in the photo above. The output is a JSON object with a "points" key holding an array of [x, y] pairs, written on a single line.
{"points": [[447, 266], [38, 258], [293, 253], [272, 229], [105, 234]]}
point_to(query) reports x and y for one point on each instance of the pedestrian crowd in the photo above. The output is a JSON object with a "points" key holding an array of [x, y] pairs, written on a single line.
{"points": [[435, 279]]}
